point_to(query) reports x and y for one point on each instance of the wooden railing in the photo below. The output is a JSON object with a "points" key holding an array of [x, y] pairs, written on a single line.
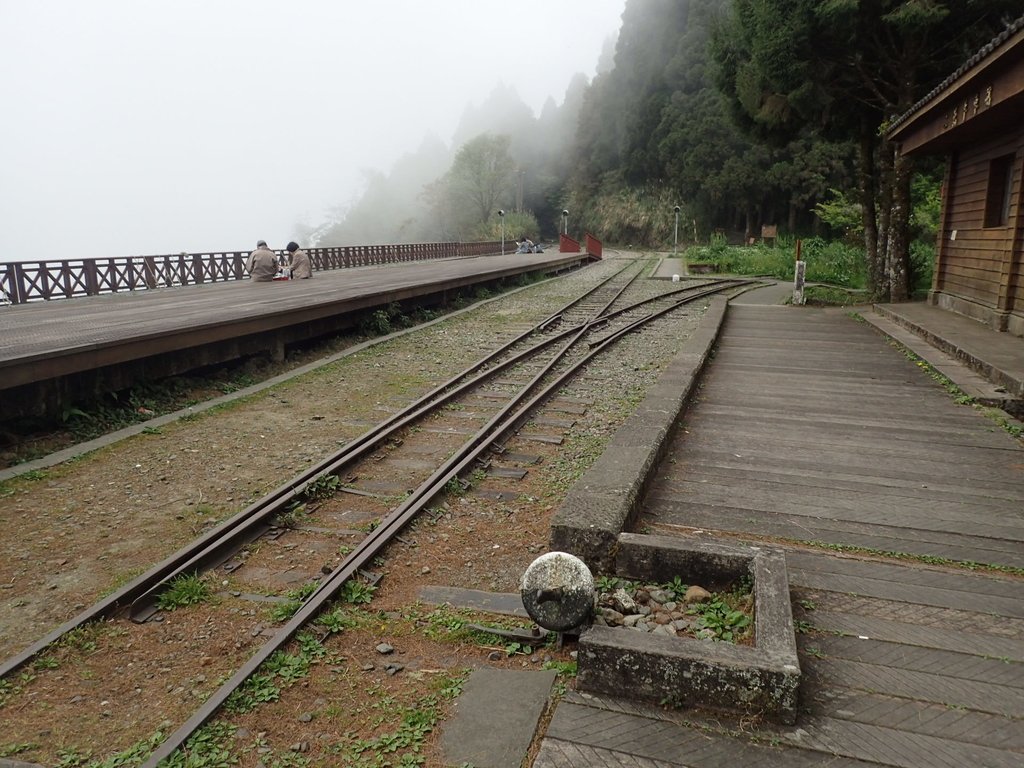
{"points": [[25, 281]]}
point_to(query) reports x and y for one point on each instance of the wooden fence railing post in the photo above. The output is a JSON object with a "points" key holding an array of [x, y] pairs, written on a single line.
{"points": [[18, 284], [92, 285], [149, 270]]}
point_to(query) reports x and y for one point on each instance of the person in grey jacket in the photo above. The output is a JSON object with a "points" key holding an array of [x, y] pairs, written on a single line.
{"points": [[301, 268], [262, 263]]}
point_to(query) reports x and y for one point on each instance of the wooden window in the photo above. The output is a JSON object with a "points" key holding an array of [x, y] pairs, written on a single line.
{"points": [[997, 200]]}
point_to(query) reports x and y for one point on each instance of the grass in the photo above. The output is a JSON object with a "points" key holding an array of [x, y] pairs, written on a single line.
{"points": [[187, 589], [12, 486], [442, 623], [209, 747], [832, 296], [726, 616], [446, 624], [563, 668], [835, 263], [581, 451], [357, 592], [456, 486], [323, 487], [82, 639], [339, 620], [258, 689], [353, 592], [134, 755], [9, 688], [12, 749], [969, 565], [280, 671], [1009, 425], [112, 411], [296, 597], [401, 729], [293, 516]]}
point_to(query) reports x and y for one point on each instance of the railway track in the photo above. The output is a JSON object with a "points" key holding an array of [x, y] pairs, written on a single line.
{"points": [[462, 425]]}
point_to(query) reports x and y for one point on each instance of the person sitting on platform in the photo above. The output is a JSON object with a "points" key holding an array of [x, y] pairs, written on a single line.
{"points": [[301, 268], [262, 263], [526, 246]]}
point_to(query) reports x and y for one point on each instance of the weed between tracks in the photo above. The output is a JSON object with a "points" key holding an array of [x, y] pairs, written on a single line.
{"points": [[358, 716], [187, 589]]}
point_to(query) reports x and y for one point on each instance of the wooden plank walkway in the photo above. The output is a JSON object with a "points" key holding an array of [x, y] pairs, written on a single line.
{"points": [[810, 428]]}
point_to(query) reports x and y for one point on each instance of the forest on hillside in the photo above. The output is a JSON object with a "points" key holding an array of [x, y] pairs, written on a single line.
{"points": [[740, 112]]}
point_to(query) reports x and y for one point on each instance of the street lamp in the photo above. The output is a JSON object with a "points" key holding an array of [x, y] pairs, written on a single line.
{"points": [[565, 222], [675, 242], [501, 215]]}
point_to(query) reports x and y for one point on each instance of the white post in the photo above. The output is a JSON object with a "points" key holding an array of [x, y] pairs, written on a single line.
{"points": [[798, 277]]}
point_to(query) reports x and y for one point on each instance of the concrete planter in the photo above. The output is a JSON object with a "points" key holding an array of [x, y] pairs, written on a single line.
{"points": [[761, 680]]}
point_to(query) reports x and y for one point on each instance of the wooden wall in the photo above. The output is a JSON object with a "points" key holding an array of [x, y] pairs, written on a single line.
{"points": [[979, 269]]}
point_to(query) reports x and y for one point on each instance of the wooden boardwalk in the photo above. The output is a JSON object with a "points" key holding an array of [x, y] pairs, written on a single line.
{"points": [[812, 433]]}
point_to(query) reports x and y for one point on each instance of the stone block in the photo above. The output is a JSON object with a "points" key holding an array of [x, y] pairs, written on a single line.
{"points": [[680, 671]]}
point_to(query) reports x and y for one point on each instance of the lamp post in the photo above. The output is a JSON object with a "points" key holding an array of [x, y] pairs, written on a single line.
{"points": [[675, 241], [501, 215], [565, 222]]}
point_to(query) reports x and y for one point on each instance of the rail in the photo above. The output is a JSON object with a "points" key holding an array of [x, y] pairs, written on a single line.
{"points": [[509, 418], [22, 282], [211, 547]]}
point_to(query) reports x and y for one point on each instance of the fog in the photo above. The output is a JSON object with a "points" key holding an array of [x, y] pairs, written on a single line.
{"points": [[155, 126]]}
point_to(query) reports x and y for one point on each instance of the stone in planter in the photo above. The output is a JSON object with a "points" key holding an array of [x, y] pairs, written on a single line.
{"points": [[680, 671]]}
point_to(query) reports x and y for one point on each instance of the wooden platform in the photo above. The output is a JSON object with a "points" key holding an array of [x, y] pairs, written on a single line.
{"points": [[107, 341], [810, 428]]}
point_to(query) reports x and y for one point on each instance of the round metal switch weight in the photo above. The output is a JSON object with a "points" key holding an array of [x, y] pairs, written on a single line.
{"points": [[558, 591]]}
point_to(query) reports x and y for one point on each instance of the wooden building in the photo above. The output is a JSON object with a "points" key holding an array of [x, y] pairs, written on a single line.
{"points": [[976, 119]]}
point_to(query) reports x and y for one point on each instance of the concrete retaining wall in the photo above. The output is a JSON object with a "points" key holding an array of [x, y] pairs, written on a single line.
{"points": [[607, 498]]}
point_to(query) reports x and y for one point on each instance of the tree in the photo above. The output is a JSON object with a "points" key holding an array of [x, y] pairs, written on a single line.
{"points": [[658, 121], [480, 181], [843, 69], [483, 174]]}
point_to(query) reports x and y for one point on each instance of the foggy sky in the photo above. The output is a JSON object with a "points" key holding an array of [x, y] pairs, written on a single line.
{"points": [[158, 126]]}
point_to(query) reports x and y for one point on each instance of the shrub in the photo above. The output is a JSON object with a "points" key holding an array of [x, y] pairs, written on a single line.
{"points": [[834, 262], [922, 263]]}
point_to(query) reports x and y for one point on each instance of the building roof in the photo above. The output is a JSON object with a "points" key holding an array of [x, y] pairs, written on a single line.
{"points": [[987, 50]]}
